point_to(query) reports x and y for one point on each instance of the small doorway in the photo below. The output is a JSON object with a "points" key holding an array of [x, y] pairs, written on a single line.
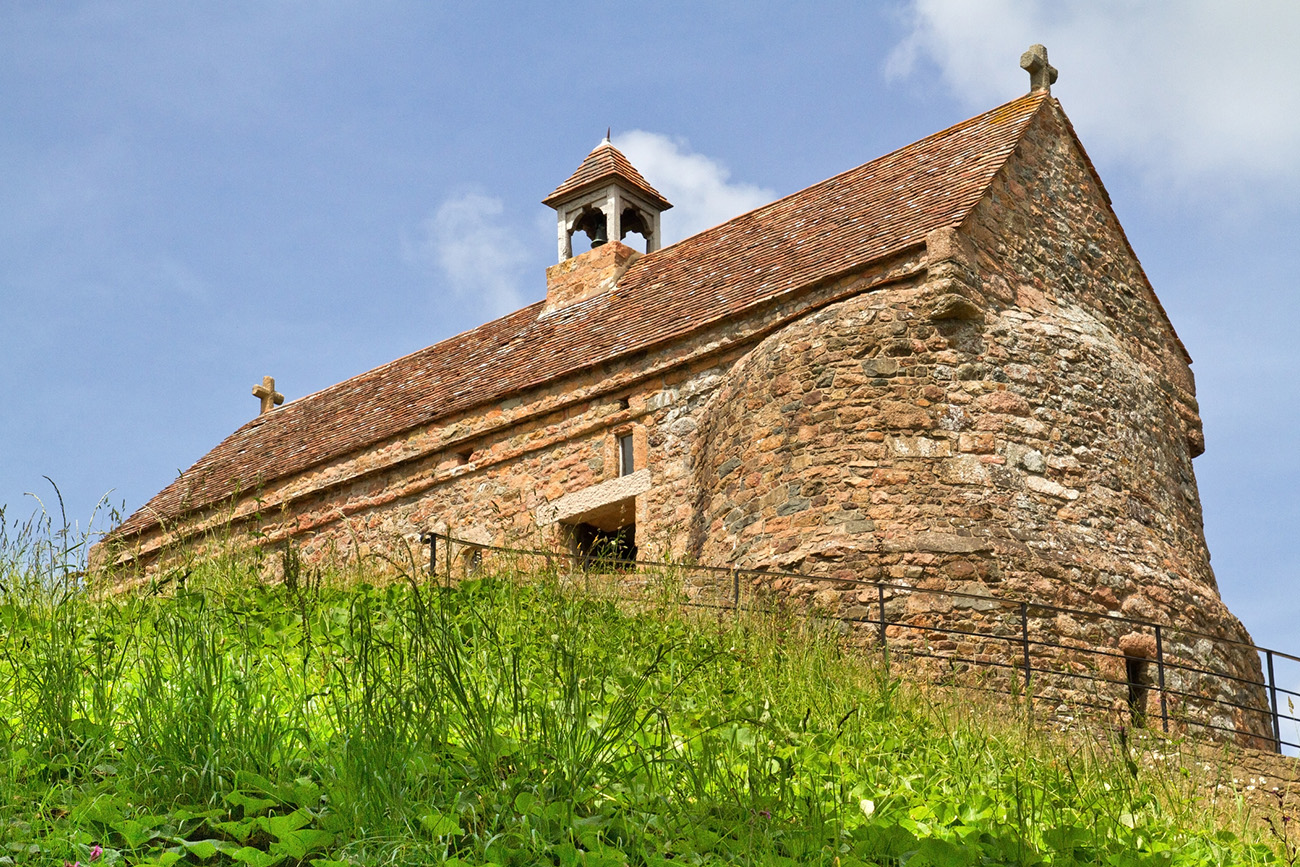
{"points": [[603, 537], [601, 550]]}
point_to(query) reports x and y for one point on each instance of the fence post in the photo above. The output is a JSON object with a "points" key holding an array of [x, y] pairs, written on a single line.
{"points": [[448, 558], [880, 596], [1272, 695], [1024, 641], [735, 591], [1160, 671], [433, 554]]}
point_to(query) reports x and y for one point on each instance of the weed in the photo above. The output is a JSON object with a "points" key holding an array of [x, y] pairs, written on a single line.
{"points": [[521, 719]]}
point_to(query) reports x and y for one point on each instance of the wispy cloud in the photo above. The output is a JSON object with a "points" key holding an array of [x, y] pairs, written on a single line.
{"points": [[469, 242], [1195, 93], [479, 253], [699, 187]]}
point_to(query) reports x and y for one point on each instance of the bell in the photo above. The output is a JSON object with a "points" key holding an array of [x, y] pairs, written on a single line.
{"points": [[601, 234]]}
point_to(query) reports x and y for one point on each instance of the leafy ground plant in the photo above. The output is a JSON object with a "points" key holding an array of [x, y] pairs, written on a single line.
{"points": [[513, 720]]}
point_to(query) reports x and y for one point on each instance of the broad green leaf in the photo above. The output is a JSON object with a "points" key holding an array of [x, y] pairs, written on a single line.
{"points": [[296, 844], [135, 832], [182, 815], [331, 821], [567, 854], [940, 853], [241, 831], [105, 811], [251, 782], [256, 857], [278, 826], [251, 805], [302, 792], [439, 825], [205, 849], [606, 857]]}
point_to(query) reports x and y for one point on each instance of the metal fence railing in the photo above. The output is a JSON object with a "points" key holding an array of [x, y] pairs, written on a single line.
{"points": [[1080, 663]]}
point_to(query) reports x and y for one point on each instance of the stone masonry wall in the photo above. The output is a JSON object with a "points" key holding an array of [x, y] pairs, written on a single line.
{"points": [[1020, 424], [490, 474]]}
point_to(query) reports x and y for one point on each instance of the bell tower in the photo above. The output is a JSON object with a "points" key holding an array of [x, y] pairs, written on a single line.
{"points": [[606, 198]]}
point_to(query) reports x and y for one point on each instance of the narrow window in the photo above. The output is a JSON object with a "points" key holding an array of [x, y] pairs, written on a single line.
{"points": [[1139, 681], [626, 460]]}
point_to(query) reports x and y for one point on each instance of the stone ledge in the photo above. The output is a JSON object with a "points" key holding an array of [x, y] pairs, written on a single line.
{"points": [[606, 493]]}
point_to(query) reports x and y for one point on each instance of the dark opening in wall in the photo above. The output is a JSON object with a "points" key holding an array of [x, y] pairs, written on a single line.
{"points": [[626, 455], [599, 549], [1139, 683], [463, 457]]}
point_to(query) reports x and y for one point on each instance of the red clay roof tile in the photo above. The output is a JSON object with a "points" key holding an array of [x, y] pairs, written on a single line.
{"points": [[604, 162], [845, 222]]}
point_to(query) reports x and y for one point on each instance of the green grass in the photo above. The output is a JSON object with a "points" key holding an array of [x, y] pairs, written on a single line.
{"points": [[511, 720]]}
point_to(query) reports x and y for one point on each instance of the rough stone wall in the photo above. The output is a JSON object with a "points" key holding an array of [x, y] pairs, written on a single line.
{"points": [[490, 474], [492, 480], [499, 496], [1019, 424]]}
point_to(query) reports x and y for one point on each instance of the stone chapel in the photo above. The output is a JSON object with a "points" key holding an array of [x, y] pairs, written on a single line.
{"points": [[945, 366]]}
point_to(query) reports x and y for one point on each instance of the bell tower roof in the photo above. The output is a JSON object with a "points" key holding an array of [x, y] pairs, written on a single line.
{"points": [[605, 165], [606, 198]]}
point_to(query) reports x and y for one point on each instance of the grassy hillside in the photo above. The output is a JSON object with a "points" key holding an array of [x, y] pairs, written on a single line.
{"points": [[509, 720]]}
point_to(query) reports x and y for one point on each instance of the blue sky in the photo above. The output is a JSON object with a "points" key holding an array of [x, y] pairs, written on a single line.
{"points": [[194, 196]]}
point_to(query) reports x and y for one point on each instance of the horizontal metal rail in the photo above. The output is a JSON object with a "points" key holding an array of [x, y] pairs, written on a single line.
{"points": [[1022, 637]]}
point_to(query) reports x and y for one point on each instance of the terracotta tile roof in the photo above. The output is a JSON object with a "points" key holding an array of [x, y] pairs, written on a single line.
{"points": [[864, 214], [604, 162]]}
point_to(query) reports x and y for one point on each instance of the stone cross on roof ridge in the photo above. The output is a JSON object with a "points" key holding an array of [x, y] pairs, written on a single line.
{"points": [[1042, 75], [269, 396]]}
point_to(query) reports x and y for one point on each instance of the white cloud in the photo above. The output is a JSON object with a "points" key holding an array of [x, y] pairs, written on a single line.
{"points": [[1193, 92], [474, 248], [480, 257], [699, 187]]}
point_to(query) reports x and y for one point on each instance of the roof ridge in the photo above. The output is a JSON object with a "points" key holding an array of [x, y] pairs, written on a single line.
{"points": [[1039, 96], [845, 222]]}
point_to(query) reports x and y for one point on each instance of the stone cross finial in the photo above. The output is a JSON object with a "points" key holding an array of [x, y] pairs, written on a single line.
{"points": [[1042, 75], [266, 391]]}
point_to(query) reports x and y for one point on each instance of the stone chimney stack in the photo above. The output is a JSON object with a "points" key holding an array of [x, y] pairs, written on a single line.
{"points": [[593, 273]]}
